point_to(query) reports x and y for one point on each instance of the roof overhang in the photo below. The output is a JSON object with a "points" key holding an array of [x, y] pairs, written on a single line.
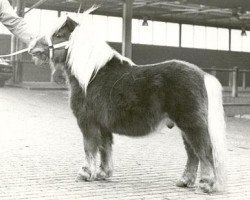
{"points": [[218, 13]]}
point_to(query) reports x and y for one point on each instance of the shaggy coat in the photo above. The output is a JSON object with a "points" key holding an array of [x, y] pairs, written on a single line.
{"points": [[132, 100], [110, 94]]}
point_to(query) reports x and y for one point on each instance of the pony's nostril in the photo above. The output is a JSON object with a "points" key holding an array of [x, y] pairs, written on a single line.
{"points": [[35, 51]]}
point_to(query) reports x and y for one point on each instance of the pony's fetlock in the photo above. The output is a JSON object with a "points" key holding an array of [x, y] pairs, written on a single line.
{"points": [[207, 186], [104, 173], [85, 174], [186, 182]]}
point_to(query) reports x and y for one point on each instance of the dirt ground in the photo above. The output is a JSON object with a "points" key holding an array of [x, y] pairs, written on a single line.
{"points": [[41, 151]]}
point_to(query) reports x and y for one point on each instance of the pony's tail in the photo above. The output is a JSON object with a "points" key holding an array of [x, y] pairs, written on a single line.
{"points": [[216, 128]]}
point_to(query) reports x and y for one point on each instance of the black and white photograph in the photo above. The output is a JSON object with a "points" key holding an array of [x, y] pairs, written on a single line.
{"points": [[124, 99]]}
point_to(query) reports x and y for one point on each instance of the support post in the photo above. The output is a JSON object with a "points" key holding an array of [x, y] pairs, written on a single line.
{"points": [[13, 49], [17, 44], [19, 65], [235, 82], [13, 58], [243, 80], [230, 39], [213, 71], [127, 28], [180, 35], [230, 79]]}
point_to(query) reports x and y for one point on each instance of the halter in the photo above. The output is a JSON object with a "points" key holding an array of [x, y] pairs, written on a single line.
{"points": [[56, 46]]}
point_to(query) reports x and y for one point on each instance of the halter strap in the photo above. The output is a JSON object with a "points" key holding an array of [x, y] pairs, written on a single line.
{"points": [[51, 47], [56, 46]]}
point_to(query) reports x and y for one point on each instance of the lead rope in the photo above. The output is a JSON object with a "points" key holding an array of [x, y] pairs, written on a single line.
{"points": [[51, 47], [14, 53]]}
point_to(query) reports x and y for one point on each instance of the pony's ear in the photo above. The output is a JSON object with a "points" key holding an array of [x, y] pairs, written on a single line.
{"points": [[71, 24]]}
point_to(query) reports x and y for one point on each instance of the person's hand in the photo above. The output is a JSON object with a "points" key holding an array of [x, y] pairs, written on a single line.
{"points": [[39, 51]]}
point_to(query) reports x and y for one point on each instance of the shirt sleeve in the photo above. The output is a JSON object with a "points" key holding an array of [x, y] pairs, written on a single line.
{"points": [[16, 25]]}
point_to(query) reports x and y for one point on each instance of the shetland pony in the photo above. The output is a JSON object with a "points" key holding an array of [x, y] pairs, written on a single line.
{"points": [[111, 94]]}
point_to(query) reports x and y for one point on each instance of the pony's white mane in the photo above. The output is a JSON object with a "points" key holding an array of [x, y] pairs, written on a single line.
{"points": [[87, 52]]}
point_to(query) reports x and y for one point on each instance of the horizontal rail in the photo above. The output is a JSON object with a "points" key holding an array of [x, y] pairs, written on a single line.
{"points": [[244, 70], [21, 61], [225, 70], [236, 104], [216, 69]]}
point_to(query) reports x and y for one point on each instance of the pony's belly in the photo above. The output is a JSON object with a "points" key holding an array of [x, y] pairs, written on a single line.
{"points": [[142, 128]]}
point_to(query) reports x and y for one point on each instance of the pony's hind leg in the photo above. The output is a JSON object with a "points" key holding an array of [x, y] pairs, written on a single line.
{"points": [[199, 140], [91, 142], [189, 175], [106, 165]]}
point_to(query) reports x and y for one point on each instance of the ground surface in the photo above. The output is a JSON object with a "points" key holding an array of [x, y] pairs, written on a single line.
{"points": [[41, 151]]}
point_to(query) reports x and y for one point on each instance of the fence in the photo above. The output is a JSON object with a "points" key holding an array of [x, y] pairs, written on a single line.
{"points": [[233, 77]]}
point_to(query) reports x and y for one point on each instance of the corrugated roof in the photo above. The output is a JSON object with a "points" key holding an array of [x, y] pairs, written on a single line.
{"points": [[221, 13]]}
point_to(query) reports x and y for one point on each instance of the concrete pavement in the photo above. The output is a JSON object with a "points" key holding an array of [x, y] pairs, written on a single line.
{"points": [[41, 151]]}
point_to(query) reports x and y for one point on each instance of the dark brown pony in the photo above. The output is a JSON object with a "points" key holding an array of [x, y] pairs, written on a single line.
{"points": [[111, 94]]}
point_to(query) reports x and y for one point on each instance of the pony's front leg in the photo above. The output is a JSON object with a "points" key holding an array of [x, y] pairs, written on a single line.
{"points": [[91, 142], [106, 166]]}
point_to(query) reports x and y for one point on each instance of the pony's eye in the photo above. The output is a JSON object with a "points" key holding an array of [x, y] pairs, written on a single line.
{"points": [[58, 35]]}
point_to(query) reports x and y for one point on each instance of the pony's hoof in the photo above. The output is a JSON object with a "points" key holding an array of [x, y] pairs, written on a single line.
{"points": [[185, 183], [84, 174], [102, 175], [206, 186]]}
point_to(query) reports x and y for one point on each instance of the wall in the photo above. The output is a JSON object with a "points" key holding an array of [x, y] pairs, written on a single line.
{"points": [[4, 44], [146, 54]]}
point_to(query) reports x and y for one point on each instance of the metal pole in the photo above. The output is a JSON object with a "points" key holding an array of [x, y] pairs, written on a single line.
{"points": [[230, 79], [229, 40], [13, 48], [127, 28], [19, 45], [235, 82], [37, 4], [213, 71], [180, 34], [243, 80]]}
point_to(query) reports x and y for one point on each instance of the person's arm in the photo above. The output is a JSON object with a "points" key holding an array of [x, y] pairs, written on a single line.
{"points": [[14, 23]]}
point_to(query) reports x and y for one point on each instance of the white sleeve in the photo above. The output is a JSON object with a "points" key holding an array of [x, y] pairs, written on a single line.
{"points": [[16, 25]]}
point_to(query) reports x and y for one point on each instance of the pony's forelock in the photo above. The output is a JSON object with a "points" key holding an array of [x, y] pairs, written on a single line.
{"points": [[62, 20], [59, 23]]}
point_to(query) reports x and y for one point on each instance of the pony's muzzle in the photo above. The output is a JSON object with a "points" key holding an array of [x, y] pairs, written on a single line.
{"points": [[40, 56], [59, 76], [37, 51]]}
